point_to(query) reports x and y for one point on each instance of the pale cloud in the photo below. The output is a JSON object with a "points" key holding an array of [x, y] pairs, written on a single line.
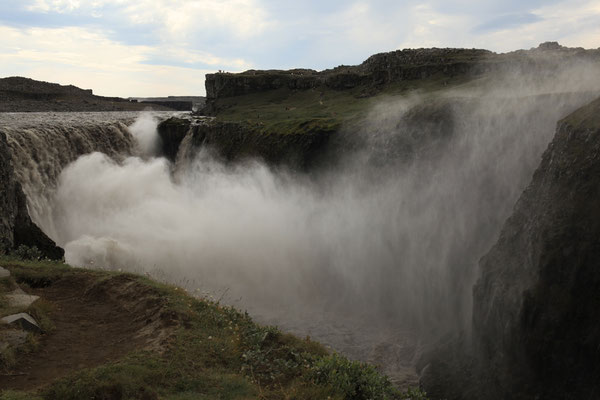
{"points": [[170, 39], [200, 57], [430, 28], [240, 18], [59, 6], [573, 23], [88, 59]]}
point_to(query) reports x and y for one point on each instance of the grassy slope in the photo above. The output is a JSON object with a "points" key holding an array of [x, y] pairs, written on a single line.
{"points": [[284, 110], [586, 117], [217, 353]]}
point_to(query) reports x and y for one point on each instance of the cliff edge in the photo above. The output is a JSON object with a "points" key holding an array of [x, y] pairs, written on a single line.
{"points": [[16, 227], [536, 313]]}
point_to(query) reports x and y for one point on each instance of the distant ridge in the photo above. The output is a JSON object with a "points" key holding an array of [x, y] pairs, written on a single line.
{"points": [[20, 94]]}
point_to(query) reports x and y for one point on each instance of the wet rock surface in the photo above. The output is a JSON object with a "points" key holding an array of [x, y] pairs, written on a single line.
{"points": [[235, 142], [16, 227], [536, 308], [171, 132]]}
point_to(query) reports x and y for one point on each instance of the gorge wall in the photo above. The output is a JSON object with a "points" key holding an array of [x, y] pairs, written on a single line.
{"points": [[385, 221], [16, 227], [384, 69], [536, 305], [236, 142]]}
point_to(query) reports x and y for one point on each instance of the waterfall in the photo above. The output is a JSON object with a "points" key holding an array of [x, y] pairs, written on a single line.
{"points": [[43, 144]]}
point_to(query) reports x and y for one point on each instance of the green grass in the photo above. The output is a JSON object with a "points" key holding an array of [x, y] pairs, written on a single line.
{"points": [[286, 111], [586, 117], [217, 353]]}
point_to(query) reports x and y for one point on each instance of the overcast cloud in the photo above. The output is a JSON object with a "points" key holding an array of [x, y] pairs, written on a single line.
{"points": [[161, 47]]}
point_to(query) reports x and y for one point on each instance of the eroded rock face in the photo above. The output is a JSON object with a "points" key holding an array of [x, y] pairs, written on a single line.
{"points": [[378, 69], [382, 69], [234, 141], [536, 315], [8, 206], [171, 132], [536, 305], [16, 227]]}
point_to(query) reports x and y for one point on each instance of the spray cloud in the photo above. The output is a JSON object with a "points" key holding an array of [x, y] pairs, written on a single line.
{"points": [[391, 233]]}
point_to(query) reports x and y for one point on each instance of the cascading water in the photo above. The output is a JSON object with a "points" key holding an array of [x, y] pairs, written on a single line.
{"points": [[369, 255]]}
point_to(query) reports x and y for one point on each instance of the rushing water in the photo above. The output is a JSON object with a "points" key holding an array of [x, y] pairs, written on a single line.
{"points": [[373, 255]]}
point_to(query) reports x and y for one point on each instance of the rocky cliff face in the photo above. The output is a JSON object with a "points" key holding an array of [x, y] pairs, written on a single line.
{"points": [[536, 305], [233, 141], [383, 69], [171, 132], [16, 227], [377, 70], [536, 314]]}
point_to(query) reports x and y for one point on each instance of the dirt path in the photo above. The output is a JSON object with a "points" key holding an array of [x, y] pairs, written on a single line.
{"points": [[91, 329]]}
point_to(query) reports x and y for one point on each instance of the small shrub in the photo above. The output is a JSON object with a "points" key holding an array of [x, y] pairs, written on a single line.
{"points": [[28, 253], [356, 380], [3, 247]]}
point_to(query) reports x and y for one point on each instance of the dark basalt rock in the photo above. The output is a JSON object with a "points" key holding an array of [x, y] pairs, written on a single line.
{"points": [[377, 70], [172, 131], [536, 315], [383, 69], [16, 227], [233, 141]]}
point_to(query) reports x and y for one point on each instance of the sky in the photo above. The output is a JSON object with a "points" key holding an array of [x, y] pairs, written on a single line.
{"points": [[165, 47]]}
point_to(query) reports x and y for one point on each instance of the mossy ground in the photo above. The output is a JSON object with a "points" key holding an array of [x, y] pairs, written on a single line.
{"points": [[587, 117], [286, 111], [216, 352]]}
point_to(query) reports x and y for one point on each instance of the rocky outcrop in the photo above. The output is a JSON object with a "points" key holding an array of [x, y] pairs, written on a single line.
{"points": [[16, 227], [383, 69], [377, 70], [171, 132], [536, 314], [536, 305], [232, 141]]}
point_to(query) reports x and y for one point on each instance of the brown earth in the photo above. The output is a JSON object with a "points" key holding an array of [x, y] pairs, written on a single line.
{"points": [[96, 321]]}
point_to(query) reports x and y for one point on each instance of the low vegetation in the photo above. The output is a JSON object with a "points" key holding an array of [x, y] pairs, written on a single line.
{"points": [[287, 111], [215, 352]]}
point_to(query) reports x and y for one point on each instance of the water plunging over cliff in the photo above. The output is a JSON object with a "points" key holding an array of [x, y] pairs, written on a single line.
{"points": [[380, 248]]}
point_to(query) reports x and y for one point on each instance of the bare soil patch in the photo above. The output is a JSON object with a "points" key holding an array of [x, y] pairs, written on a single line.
{"points": [[96, 321]]}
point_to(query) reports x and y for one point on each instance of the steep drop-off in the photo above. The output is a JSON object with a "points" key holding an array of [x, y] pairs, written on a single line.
{"points": [[536, 309], [234, 142], [42, 145], [269, 112], [16, 227]]}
